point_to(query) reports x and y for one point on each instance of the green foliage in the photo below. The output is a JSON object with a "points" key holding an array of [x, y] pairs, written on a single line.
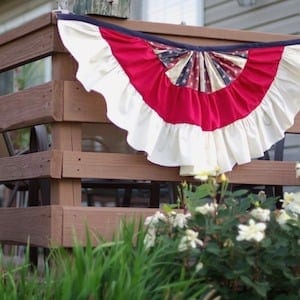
{"points": [[121, 269], [239, 243]]}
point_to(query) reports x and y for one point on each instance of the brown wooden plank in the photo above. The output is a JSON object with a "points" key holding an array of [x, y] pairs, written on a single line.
{"points": [[132, 166], [65, 136], [83, 106], [31, 47], [52, 226], [41, 226], [195, 34], [104, 222], [26, 28], [36, 105], [265, 172], [114, 166], [33, 165]]}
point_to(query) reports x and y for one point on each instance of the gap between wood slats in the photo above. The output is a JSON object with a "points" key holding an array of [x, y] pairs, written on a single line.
{"points": [[133, 166]]}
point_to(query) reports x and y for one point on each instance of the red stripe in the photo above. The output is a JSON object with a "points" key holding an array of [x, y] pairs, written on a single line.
{"points": [[177, 104]]}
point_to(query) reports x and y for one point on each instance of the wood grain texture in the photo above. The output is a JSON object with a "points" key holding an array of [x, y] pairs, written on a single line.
{"points": [[27, 28], [34, 165], [31, 47], [52, 226], [102, 222], [41, 226], [136, 166], [83, 106], [37, 105]]}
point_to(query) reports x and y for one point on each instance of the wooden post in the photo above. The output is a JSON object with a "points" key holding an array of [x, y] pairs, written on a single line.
{"points": [[65, 136]]}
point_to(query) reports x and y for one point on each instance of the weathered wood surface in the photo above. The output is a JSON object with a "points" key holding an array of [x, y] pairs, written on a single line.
{"points": [[41, 226], [54, 225], [44, 164], [135, 166], [37, 105]]}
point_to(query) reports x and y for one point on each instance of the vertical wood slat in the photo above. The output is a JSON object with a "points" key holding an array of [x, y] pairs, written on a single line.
{"points": [[65, 136]]}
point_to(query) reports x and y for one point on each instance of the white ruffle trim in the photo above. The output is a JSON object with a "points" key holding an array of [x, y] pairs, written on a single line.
{"points": [[183, 145]]}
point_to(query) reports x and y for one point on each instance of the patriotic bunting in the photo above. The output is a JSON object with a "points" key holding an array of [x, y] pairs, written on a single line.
{"points": [[194, 107]]}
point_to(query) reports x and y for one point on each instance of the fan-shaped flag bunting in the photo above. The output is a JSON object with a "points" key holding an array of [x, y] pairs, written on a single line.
{"points": [[189, 106]]}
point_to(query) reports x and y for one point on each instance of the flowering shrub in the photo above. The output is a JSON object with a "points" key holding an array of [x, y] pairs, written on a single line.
{"points": [[238, 243]]}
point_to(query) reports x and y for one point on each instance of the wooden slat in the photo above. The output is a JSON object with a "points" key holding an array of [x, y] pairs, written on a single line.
{"points": [[65, 136], [104, 222], [83, 106], [31, 47], [33, 165], [114, 166], [36, 105], [52, 226], [41, 226], [265, 172], [195, 34], [26, 28], [129, 166]]}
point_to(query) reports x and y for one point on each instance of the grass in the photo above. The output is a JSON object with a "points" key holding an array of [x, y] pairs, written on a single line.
{"points": [[121, 269]]}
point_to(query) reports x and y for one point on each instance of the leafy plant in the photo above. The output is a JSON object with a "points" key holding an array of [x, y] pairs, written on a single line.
{"points": [[238, 243], [121, 269]]}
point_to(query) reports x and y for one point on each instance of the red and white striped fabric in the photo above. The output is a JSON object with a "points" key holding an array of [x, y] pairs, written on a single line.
{"points": [[194, 107]]}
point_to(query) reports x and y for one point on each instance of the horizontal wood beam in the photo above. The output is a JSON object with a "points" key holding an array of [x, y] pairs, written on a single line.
{"points": [[38, 44], [136, 166], [264, 172], [41, 226], [83, 106], [46, 164], [102, 222], [196, 35], [37, 105], [51, 226], [33, 25]]}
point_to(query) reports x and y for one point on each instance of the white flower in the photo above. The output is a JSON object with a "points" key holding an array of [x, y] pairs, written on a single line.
{"points": [[190, 240], [253, 231], [202, 176], [150, 237], [261, 214], [199, 266], [283, 217], [287, 199], [206, 209], [205, 174], [179, 220], [297, 168], [153, 220], [294, 206]]}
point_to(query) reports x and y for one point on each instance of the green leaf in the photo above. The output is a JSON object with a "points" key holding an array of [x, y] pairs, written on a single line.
{"points": [[261, 288], [239, 193]]}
